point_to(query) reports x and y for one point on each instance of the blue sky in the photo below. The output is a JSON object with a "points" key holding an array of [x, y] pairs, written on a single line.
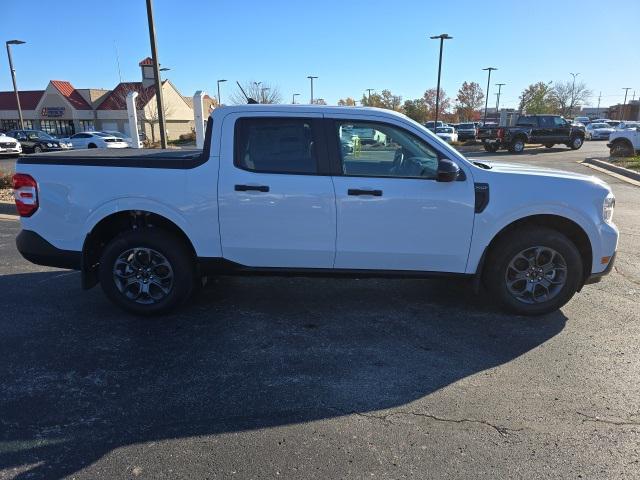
{"points": [[350, 44]]}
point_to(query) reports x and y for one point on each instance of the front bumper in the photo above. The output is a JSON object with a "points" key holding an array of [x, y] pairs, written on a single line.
{"points": [[37, 250], [596, 277]]}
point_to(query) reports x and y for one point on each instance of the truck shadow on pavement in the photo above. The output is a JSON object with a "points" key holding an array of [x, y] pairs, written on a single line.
{"points": [[80, 378]]}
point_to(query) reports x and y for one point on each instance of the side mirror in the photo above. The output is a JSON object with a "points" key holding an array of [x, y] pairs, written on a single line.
{"points": [[448, 171]]}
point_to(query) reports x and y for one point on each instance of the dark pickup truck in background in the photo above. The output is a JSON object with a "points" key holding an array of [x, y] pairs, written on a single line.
{"points": [[548, 130]]}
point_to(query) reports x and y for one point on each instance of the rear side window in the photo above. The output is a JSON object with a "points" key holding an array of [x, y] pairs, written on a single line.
{"points": [[527, 122], [276, 145]]}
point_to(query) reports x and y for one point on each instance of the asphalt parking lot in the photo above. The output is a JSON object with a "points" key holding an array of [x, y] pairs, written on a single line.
{"points": [[321, 378]]}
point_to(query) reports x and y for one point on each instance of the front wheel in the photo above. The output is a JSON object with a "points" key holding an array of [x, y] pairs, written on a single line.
{"points": [[147, 271], [621, 149], [491, 147], [533, 271], [517, 146], [576, 143], [37, 149]]}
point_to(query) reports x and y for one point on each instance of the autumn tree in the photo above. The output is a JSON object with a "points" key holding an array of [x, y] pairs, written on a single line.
{"points": [[261, 92], [347, 102], [386, 99], [567, 96], [538, 98], [469, 100], [429, 99], [416, 110]]}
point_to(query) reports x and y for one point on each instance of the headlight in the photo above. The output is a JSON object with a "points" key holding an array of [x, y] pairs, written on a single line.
{"points": [[49, 145], [607, 208]]}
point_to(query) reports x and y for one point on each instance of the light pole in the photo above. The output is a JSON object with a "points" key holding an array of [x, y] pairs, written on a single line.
{"points": [[598, 111], [257, 86], [369, 90], [499, 85], [311, 77], [219, 99], [156, 71], [573, 89], [262, 90], [13, 77], [626, 90], [293, 98], [486, 102], [442, 37]]}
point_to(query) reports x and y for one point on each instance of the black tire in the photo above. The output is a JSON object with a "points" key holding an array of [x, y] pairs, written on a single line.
{"points": [[498, 268], [37, 149], [576, 142], [621, 148], [517, 145], [548, 145], [491, 147], [171, 248], [92, 145]]}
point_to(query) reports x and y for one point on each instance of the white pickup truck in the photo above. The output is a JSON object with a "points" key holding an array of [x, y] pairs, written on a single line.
{"points": [[276, 192]]}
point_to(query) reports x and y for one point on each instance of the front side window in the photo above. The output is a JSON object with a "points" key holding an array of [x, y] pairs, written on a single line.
{"points": [[559, 121], [276, 145], [373, 149]]}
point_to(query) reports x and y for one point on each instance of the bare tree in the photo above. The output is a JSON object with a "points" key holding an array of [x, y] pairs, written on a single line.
{"points": [[569, 96], [261, 92]]}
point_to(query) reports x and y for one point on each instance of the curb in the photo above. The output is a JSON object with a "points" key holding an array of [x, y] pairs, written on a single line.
{"points": [[613, 170], [8, 208]]}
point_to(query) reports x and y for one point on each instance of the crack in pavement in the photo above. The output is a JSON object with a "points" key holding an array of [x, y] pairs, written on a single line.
{"points": [[625, 275], [502, 430], [590, 418]]}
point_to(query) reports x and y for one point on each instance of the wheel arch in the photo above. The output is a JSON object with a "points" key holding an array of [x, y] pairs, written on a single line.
{"points": [[562, 224], [111, 226]]}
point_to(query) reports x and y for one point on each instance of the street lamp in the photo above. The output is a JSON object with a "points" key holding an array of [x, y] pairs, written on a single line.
{"points": [[311, 77], [573, 89], [219, 99], [442, 37], [499, 85], [293, 98], [486, 101], [626, 90], [13, 77], [262, 90], [156, 71]]}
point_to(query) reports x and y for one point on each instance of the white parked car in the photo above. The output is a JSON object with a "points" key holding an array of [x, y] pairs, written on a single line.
{"points": [[598, 131], [97, 140], [627, 124], [122, 136], [624, 143], [9, 146], [274, 192], [448, 134]]}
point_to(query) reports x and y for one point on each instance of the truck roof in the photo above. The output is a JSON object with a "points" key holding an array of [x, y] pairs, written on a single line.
{"points": [[301, 108]]}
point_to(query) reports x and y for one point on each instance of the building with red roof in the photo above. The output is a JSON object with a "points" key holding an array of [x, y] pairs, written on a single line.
{"points": [[62, 109]]}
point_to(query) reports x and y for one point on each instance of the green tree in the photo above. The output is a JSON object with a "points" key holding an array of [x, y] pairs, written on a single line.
{"points": [[469, 100], [416, 110], [538, 98], [386, 99]]}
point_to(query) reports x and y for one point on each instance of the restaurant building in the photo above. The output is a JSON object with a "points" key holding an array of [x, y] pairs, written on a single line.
{"points": [[61, 109]]}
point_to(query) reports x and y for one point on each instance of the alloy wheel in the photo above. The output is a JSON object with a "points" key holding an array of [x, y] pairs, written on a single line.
{"points": [[536, 275], [143, 275]]}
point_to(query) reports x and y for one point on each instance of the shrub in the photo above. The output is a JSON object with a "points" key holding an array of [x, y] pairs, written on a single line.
{"points": [[5, 180]]}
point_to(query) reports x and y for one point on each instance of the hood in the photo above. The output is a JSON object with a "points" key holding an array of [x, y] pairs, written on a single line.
{"points": [[521, 169], [6, 139]]}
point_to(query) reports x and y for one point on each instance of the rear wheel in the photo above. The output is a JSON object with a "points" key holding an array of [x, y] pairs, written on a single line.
{"points": [[576, 143], [533, 271], [37, 149], [621, 148], [147, 271], [92, 145], [548, 145], [517, 145]]}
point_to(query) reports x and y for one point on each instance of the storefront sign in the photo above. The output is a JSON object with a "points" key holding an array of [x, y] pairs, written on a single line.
{"points": [[52, 112]]}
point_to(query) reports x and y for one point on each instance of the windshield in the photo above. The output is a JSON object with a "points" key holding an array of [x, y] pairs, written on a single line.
{"points": [[36, 135], [466, 126], [444, 130], [600, 125], [113, 134]]}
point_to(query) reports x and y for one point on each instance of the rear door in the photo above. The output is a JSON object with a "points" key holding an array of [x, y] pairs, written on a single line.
{"points": [[276, 206], [392, 213]]}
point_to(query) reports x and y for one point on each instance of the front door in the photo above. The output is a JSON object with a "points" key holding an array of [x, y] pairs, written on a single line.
{"points": [[392, 213], [276, 209]]}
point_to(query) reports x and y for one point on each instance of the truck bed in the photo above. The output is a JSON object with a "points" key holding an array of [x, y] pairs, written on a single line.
{"points": [[128, 158]]}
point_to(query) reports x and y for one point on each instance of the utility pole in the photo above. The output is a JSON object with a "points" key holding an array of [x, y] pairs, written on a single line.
{"points": [[293, 98], [573, 89], [156, 72], [486, 101], [598, 110], [442, 37], [499, 85], [13, 78], [311, 77], [626, 90]]}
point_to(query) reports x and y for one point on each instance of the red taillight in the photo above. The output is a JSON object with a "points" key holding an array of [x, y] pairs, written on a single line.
{"points": [[501, 133], [25, 192]]}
